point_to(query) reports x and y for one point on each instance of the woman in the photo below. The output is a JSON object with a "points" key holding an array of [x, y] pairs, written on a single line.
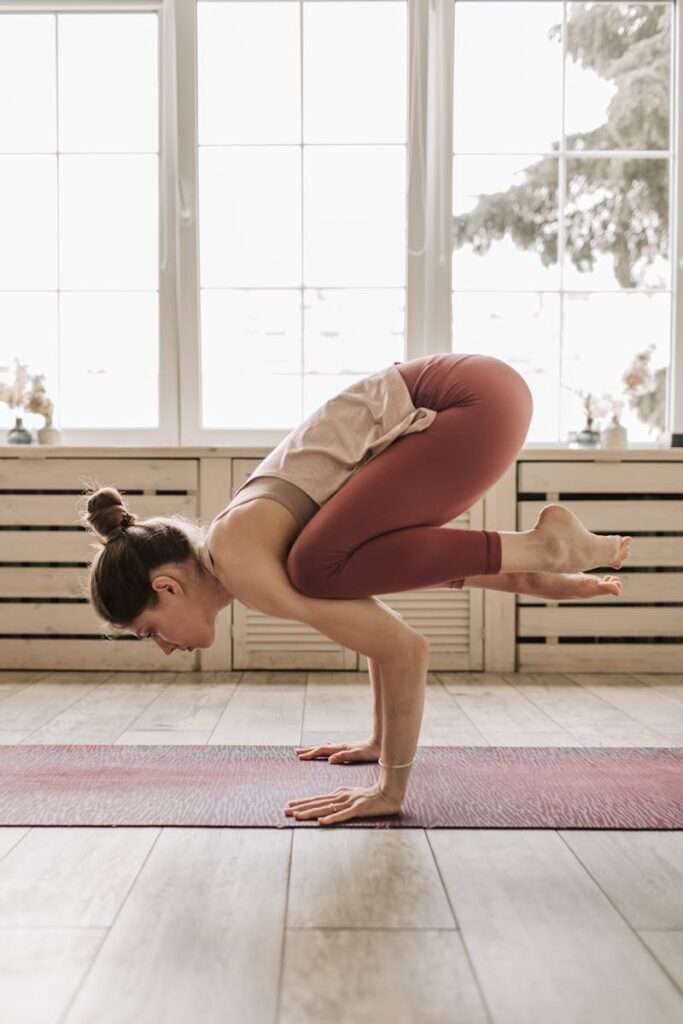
{"points": [[351, 504]]}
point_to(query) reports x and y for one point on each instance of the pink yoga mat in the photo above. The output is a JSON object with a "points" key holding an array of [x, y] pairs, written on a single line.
{"points": [[249, 786]]}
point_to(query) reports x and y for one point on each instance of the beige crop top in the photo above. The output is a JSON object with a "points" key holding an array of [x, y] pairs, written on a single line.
{"points": [[320, 455]]}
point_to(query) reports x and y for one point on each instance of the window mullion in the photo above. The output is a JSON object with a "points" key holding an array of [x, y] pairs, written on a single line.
{"points": [[430, 147], [183, 238], [675, 390]]}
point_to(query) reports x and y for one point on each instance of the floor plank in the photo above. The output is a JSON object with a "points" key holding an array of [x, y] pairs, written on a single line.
{"points": [[41, 969], [544, 940], [71, 877], [373, 977], [651, 708], [261, 713], [365, 878], [667, 947], [501, 713], [199, 937], [100, 715], [641, 873]]}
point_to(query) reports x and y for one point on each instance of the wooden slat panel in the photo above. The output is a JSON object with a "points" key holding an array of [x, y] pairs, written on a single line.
{"points": [[589, 622], [599, 657], [263, 642], [624, 516], [63, 509], [77, 474], [23, 582], [47, 545], [638, 586], [666, 552], [498, 609], [56, 655], [645, 477], [50, 619], [214, 494]]}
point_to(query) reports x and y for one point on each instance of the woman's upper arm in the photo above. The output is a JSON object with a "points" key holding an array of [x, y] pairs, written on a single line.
{"points": [[361, 624]]}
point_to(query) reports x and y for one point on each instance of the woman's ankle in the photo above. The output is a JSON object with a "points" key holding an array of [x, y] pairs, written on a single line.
{"points": [[525, 551]]}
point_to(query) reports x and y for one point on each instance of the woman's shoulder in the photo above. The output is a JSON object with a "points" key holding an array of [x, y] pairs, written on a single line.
{"points": [[249, 561]]}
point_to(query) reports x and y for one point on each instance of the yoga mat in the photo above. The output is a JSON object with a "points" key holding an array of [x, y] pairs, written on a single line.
{"points": [[249, 786]]}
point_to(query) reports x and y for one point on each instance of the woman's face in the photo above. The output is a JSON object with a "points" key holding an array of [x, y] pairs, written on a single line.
{"points": [[185, 615]]}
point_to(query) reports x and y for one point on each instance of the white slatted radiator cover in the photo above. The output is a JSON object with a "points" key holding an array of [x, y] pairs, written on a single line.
{"points": [[47, 621], [643, 630], [450, 619]]}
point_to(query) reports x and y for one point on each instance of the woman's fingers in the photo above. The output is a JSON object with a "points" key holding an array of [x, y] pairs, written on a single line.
{"points": [[321, 810], [303, 805], [309, 752], [310, 801], [342, 753]]}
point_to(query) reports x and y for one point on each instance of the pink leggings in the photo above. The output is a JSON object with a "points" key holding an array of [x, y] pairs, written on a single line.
{"points": [[383, 532]]}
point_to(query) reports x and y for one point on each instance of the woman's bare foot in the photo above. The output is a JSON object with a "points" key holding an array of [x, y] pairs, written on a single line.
{"points": [[556, 586], [562, 586], [572, 548]]}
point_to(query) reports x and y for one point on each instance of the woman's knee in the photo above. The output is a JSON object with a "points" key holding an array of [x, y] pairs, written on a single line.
{"points": [[305, 572], [507, 389]]}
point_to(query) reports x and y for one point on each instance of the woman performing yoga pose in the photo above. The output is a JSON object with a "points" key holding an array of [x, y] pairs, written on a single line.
{"points": [[349, 505]]}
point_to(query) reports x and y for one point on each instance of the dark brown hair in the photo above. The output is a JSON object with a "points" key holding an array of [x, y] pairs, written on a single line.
{"points": [[118, 585]]}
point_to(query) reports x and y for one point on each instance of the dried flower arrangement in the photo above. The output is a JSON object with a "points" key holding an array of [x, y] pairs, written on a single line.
{"points": [[646, 389], [27, 392]]}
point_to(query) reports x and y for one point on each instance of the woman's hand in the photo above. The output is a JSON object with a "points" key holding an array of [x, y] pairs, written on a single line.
{"points": [[343, 753], [344, 803]]}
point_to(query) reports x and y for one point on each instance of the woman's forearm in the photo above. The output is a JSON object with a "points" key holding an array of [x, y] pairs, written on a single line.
{"points": [[403, 682], [374, 671]]}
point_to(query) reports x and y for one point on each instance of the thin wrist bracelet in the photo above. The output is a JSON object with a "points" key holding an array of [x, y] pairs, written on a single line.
{"points": [[382, 765]]}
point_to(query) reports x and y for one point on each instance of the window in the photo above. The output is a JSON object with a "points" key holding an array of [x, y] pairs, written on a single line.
{"points": [[279, 197], [79, 202], [302, 111], [561, 258]]}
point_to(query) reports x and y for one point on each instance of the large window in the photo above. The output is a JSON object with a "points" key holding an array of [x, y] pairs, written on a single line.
{"points": [[216, 214], [561, 204], [79, 209], [302, 154]]}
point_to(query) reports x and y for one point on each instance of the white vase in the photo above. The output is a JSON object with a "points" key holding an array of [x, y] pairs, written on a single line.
{"points": [[49, 435], [614, 436]]}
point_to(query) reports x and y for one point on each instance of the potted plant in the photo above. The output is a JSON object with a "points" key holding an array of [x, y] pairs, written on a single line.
{"points": [[588, 437], [38, 401], [29, 394]]}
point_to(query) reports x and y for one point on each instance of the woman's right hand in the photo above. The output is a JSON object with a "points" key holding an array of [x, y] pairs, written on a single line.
{"points": [[343, 753]]}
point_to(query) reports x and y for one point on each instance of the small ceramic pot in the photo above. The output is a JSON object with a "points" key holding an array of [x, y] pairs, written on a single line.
{"points": [[49, 435], [614, 436], [588, 438], [19, 434]]}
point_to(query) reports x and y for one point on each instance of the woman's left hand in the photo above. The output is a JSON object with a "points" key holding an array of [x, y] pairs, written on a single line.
{"points": [[346, 802]]}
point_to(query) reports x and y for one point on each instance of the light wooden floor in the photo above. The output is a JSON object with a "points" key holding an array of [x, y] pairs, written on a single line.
{"points": [[270, 926]]}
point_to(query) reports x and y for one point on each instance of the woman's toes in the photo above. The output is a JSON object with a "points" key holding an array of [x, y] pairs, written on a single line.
{"points": [[611, 584]]}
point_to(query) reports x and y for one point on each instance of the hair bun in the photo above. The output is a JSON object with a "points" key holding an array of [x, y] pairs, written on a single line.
{"points": [[107, 514]]}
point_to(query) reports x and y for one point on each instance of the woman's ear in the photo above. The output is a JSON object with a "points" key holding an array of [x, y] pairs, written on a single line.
{"points": [[163, 582]]}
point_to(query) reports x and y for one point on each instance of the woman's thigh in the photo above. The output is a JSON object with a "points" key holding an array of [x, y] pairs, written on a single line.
{"points": [[484, 409]]}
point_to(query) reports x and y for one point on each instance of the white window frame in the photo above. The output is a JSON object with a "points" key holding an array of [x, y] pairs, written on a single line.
{"points": [[428, 327], [675, 396], [167, 432]]}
